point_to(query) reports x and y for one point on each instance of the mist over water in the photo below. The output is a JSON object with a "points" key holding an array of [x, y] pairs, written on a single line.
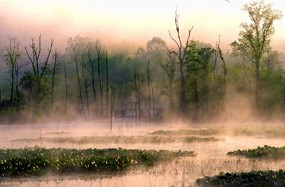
{"points": [[109, 74], [211, 156]]}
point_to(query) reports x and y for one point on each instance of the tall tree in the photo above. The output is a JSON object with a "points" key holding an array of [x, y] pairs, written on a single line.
{"points": [[74, 50], [55, 57], [255, 37], [39, 68], [181, 53], [107, 82], [12, 56], [169, 67]]}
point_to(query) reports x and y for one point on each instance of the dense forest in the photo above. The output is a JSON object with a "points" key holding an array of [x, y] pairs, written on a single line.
{"points": [[187, 78]]}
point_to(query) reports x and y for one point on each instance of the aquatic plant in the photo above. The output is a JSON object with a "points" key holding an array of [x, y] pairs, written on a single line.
{"points": [[37, 161], [261, 152], [249, 179], [201, 132], [119, 139]]}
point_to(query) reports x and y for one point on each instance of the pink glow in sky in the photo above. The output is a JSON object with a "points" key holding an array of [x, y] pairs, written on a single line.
{"points": [[128, 20]]}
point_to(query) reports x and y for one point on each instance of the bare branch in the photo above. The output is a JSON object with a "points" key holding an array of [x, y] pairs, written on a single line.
{"points": [[173, 39], [47, 59]]}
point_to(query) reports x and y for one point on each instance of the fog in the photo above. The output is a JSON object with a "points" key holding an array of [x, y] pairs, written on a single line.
{"points": [[113, 78]]}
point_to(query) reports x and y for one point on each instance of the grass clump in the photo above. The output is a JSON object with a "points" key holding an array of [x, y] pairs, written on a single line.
{"points": [[119, 139], [248, 179], [200, 132], [38, 161], [261, 152], [200, 139]]}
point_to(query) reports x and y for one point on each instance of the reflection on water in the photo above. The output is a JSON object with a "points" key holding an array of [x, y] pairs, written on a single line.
{"points": [[211, 158]]}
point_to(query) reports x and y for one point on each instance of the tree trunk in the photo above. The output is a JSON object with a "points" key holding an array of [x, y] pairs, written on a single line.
{"points": [[86, 89], [183, 88], [53, 79], [107, 85], [17, 91], [149, 97], [91, 62], [257, 84], [79, 87], [66, 90], [100, 80], [0, 93], [12, 83], [113, 95], [153, 106]]}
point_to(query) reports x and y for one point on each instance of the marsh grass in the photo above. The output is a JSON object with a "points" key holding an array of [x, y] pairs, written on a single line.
{"points": [[249, 179], [119, 139], [187, 132], [268, 132], [38, 161], [261, 152]]}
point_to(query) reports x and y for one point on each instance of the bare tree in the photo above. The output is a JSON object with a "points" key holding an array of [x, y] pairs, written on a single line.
{"points": [[181, 53], [12, 56], [73, 46], [136, 84], [107, 83], [99, 71], [91, 60], [149, 96], [55, 57], [39, 68], [66, 90]]}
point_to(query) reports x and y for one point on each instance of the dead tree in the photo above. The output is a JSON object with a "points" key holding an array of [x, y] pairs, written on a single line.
{"points": [[99, 71], [12, 56], [181, 53], [136, 85], [113, 97], [39, 68], [85, 82], [75, 54], [66, 90], [149, 95], [55, 56], [91, 61], [107, 83]]}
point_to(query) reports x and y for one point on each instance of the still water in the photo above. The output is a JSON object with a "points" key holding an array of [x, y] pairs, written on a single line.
{"points": [[210, 160]]}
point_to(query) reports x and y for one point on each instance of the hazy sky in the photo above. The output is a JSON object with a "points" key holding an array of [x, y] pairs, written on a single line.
{"points": [[131, 21]]}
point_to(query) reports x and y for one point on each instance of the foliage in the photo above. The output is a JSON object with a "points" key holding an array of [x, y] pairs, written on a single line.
{"points": [[38, 161], [250, 179], [261, 152], [255, 37]]}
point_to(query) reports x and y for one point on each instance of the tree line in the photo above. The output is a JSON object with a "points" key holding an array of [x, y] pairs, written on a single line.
{"points": [[187, 78]]}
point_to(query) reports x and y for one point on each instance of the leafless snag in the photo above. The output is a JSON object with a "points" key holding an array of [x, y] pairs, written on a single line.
{"points": [[180, 53]]}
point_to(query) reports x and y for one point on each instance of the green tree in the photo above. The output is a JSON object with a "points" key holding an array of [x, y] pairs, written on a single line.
{"points": [[255, 37]]}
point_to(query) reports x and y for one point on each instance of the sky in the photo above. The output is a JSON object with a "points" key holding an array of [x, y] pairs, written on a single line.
{"points": [[130, 22]]}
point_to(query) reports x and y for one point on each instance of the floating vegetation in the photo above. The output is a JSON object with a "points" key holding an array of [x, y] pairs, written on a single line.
{"points": [[57, 132], [200, 132], [37, 161], [269, 132], [119, 139], [248, 179], [200, 139], [261, 152]]}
